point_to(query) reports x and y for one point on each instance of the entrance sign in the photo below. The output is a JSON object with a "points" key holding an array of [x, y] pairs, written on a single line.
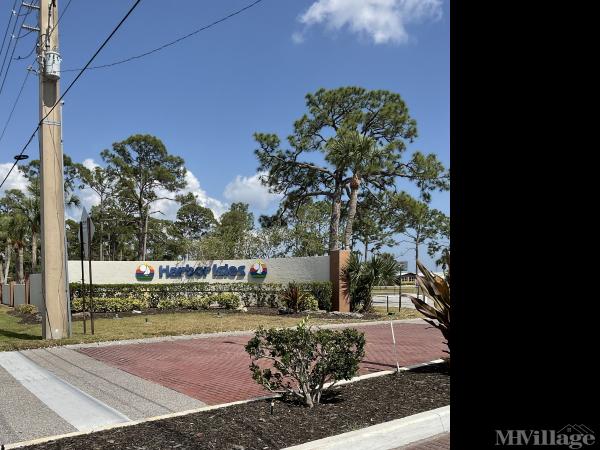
{"points": [[144, 272], [258, 269]]}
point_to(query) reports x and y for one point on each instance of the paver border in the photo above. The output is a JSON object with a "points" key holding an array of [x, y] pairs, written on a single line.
{"points": [[212, 407]]}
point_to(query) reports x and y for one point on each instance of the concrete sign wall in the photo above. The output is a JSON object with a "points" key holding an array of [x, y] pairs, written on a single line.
{"points": [[274, 270]]}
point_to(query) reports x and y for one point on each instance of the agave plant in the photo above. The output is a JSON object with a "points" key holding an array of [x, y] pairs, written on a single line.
{"points": [[438, 290]]}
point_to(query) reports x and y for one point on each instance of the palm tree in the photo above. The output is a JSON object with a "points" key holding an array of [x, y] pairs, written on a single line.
{"points": [[4, 240], [19, 229], [359, 154], [28, 206]]}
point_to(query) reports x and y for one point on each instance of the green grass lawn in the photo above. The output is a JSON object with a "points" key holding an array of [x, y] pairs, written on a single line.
{"points": [[383, 290], [404, 313], [15, 335]]}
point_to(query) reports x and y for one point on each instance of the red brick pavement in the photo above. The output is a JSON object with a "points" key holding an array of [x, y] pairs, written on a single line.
{"points": [[215, 370], [439, 442]]}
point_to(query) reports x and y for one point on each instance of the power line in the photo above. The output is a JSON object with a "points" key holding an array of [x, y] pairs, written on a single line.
{"points": [[10, 17], [13, 50], [12, 36], [60, 17], [15, 103], [49, 34], [168, 44], [137, 2]]}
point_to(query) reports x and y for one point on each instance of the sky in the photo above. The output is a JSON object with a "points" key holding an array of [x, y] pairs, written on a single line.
{"points": [[205, 96]]}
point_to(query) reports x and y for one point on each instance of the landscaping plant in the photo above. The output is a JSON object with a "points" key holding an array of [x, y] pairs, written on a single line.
{"points": [[437, 289], [296, 299], [26, 309], [362, 276], [227, 300], [304, 362]]}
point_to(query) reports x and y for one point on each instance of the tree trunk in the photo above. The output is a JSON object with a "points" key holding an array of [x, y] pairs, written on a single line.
{"points": [[7, 268], [366, 248], [20, 271], [334, 225], [354, 186], [1, 274], [417, 267], [101, 229], [33, 252], [145, 235]]}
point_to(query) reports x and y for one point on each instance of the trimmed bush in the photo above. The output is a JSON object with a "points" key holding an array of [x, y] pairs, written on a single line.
{"points": [[228, 300], [178, 295], [26, 309], [309, 303], [305, 360], [109, 304], [322, 291]]}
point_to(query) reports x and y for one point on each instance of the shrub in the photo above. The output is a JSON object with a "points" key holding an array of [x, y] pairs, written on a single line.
{"points": [[26, 309], [259, 294], [322, 290], [304, 361], [227, 300], [294, 298], [109, 304], [309, 302], [362, 277]]}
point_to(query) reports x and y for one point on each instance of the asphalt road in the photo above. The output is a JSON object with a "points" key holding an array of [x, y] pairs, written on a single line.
{"points": [[380, 300]]}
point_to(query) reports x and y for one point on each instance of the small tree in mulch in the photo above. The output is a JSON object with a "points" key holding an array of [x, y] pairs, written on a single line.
{"points": [[305, 362]]}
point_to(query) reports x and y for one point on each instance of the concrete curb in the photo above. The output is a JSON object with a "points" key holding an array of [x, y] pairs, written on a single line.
{"points": [[133, 422], [387, 372], [388, 435], [224, 405]]}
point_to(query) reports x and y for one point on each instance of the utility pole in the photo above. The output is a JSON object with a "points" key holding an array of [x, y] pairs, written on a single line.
{"points": [[54, 276]]}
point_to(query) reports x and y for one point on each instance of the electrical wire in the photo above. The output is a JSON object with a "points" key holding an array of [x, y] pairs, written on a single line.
{"points": [[59, 17], [137, 2], [10, 17], [18, 58], [12, 34], [176, 41], [15, 104], [13, 50]]}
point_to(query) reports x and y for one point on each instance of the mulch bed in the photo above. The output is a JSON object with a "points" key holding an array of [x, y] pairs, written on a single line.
{"points": [[29, 319], [251, 426], [263, 311]]}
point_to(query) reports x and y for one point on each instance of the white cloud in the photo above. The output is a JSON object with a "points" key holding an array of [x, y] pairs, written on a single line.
{"points": [[297, 37], [250, 190], [168, 208], [384, 21], [90, 164], [16, 179]]}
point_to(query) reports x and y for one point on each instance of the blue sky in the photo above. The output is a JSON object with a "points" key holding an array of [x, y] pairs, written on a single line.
{"points": [[206, 96]]}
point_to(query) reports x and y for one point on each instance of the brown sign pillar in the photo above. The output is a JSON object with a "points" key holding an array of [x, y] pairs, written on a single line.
{"points": [[340, 298]]}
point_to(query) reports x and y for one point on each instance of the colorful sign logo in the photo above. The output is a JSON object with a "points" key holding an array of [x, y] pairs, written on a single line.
{"points": [[144, 272], [258, 269]]}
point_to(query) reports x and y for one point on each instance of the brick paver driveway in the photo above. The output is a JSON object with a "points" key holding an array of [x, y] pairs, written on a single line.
{"points": [[215, 370]]}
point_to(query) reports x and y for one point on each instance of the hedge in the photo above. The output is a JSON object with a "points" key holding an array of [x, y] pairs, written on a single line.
{"points": [[190, 295]]}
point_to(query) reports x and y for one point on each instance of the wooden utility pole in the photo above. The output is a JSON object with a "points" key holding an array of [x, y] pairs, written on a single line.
{"points": [[54, 277]]}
